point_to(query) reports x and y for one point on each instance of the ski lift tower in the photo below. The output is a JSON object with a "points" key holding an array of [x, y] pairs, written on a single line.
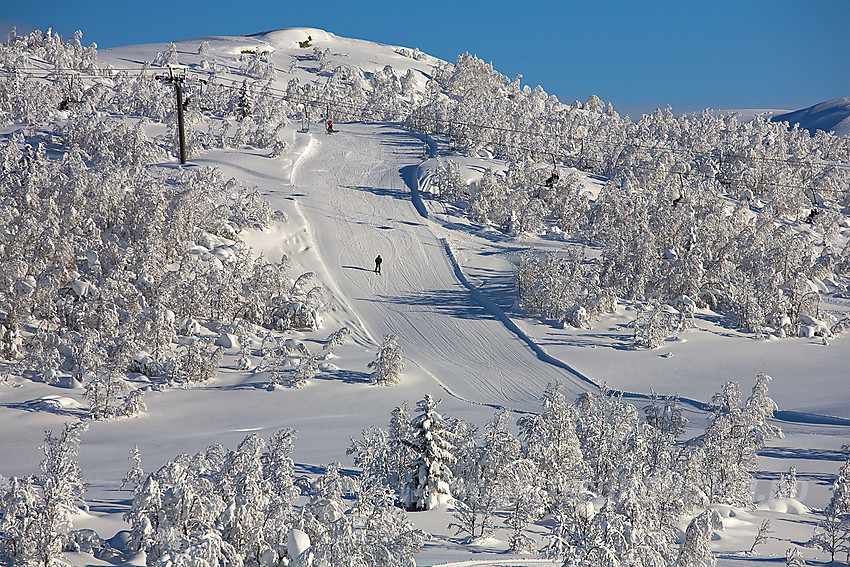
{"points": [[177, 76]]}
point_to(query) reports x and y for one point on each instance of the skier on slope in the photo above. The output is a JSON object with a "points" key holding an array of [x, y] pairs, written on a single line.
{"points": [[378, 261]]}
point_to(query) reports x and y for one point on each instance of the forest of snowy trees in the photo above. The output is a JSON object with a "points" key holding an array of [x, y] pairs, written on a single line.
{"points": [[701, 210], [594, 467], [108, 266]]}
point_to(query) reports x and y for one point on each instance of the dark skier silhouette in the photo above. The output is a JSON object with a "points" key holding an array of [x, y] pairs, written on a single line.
{"points": [[378, 261]]}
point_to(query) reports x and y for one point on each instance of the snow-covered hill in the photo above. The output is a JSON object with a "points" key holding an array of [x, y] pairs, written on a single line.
{"points": [[446, 293], [830, 116]]}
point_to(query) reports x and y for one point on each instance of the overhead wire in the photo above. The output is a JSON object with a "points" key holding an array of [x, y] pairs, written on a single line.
{"points": [[360, 112]]}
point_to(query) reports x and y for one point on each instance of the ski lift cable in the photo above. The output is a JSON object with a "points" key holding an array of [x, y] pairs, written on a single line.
{"points": [[359, 111], [104, 73]]}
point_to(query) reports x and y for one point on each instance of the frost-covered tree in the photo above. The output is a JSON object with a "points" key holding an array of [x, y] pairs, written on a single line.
{"points": [[526, 502], [35, 512], [109, 395], [449, 182], [477, 489], [428, 482], [787, 485], [167, 56], [793, 558], [372, 532], [19, 519], [731, 440], [389, 363], [832, 534], [382, 454], [308, 367], [550, 441], [195, 361], [840, 499], [337, 338], [222, 507], [762, 535], [695, 550]]}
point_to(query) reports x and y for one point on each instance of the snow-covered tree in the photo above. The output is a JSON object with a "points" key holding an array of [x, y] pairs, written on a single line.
{"points": [[222, 507], [728, 447], [382, 454], [762, 535], [167, 56], [550, 441], [389, 363], [695, 550], [476, 489], [308, 367], [832, 534], [35, 512], [109, 395], [793, 558], [787, 485], [428, 484], [448, 181]]}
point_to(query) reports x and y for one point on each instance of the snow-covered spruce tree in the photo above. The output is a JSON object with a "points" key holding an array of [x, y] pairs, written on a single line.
{"points": [[428, 481], [389, 364]]}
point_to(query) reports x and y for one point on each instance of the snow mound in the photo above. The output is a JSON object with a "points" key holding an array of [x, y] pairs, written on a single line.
{"points": [[290, 37], [830, 116], [784, 506], [54, 403], [227, 341]]}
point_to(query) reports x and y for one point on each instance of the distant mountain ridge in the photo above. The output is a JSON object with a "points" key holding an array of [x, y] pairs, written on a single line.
{"points": [[830, 116]]}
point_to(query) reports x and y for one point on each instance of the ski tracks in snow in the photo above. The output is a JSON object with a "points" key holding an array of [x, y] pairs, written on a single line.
{"points": [[353, 187]]}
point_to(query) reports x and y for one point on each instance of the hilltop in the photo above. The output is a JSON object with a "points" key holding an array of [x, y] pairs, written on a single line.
{"points": [[830, 116]]}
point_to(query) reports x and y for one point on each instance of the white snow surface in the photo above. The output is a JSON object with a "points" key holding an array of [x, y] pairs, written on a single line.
{"points": [[445, 292], [829, 116]]}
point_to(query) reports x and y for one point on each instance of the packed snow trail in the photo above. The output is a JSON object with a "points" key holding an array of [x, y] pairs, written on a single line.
{"points": [[351, 185]]}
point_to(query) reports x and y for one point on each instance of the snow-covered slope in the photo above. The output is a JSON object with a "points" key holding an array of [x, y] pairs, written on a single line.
{"points": [[445, 292], [306, 54], [830, 116]]}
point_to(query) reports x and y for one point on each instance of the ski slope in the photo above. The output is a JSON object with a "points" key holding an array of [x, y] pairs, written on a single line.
{"points": [[358, 203]]}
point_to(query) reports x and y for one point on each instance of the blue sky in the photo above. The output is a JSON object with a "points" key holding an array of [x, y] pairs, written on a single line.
{"points": [[639, 55]]}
